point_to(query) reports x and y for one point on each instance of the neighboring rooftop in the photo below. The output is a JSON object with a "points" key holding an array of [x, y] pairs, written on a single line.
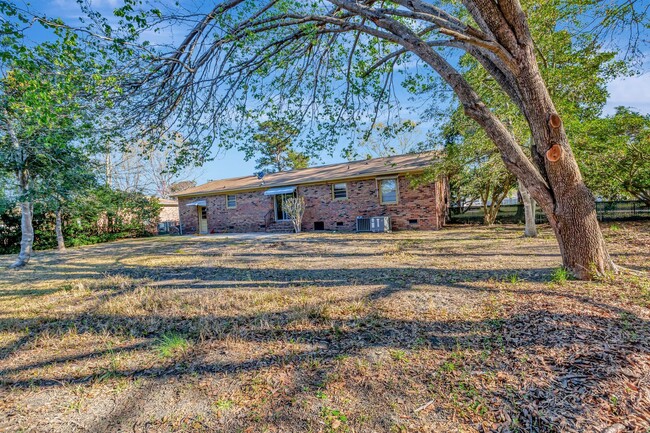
{"points": [[415, 162], [168, 202]]}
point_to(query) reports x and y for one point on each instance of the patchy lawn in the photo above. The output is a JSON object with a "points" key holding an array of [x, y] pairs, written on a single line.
{"points": [[463, 330]]}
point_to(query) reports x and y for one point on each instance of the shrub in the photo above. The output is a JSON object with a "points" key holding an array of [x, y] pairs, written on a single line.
{"points": [[101, 215]]}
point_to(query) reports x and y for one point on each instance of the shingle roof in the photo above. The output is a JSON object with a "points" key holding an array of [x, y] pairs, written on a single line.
{"points": [[167, 202], [348, 170]]}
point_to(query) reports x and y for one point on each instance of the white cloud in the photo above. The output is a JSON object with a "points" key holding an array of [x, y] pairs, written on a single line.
{"points": [[631, 92]]}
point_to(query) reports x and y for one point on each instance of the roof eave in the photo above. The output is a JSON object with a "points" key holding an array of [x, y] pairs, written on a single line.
{"points": [[281, 184]]}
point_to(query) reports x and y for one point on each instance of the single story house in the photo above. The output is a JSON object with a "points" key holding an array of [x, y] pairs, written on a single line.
{"points": [[335, 196]]}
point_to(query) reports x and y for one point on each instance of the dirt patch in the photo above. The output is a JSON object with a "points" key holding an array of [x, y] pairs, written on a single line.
{"points": [[466, 329]]}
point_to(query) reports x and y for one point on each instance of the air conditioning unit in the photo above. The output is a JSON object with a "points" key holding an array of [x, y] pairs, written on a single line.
{"points": [[380, 224], [363, 224], [373, 224]]}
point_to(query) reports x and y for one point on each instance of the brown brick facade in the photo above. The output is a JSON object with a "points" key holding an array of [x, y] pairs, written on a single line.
{"points": [[169, 213], [422, 208]]}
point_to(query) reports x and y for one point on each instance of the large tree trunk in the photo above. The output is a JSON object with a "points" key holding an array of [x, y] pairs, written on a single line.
{"points": [[27, 230], [579, 236], [488, 217], [530, 231], [573, 214], [553, 179], [58, 229], [27, 236]]}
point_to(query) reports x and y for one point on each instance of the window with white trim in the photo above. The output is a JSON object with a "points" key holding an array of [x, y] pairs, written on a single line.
{"points": [[231, 201], [388, 193], [340, 191]]}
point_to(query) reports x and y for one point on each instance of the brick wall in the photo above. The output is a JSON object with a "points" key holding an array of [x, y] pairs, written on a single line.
{"points": [[168, 213], [189, 219], [247, 216], [414, 204], [422, 208]]}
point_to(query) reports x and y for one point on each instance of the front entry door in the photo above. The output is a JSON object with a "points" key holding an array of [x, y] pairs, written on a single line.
{"points": [[280, 214], [203, 220]]}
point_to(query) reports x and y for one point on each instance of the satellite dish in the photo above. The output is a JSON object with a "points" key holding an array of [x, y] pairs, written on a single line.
{"points": [[260, 175]]}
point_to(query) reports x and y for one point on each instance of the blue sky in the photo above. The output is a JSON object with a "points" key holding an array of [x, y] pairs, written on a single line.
{"points": [[631, 91]]}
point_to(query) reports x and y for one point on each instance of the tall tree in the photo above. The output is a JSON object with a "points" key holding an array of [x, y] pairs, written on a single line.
{"points": [[143, 168], [245, 57], [42, 92], [473, 166], [73, 176], [274, 145], [575, 71]]}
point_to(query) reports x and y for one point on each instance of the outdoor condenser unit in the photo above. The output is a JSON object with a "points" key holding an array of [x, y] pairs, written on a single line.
{"points": [[373, 224], [363, 224], [380, 224]]}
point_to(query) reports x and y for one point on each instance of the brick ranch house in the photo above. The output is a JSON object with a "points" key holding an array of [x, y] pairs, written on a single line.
{"points": [[335, 195]]}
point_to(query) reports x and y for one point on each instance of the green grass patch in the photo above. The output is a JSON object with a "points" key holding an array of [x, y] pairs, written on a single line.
{"points": [[223, 404], [560, 275], [170, 345], [398, 355]]}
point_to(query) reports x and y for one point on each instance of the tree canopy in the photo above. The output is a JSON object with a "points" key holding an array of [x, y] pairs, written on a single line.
{"points": [[614, 155], [275, 147], [575, 70]]}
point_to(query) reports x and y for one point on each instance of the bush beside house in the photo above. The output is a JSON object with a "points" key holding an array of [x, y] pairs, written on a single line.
{"points": [[102, 215]]}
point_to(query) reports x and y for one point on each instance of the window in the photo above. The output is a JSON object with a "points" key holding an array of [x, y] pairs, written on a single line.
{"points": [[231, 201], [388, 191], [340, 191], [204, 213]]}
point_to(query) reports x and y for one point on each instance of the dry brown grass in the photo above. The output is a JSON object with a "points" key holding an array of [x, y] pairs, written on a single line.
{"points": [[458, 330]]}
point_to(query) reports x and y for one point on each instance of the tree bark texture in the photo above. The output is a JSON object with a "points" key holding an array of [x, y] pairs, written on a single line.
{"points": [[572, 211], [58, 228], [530, 230], [27, 233], [557, 186]]}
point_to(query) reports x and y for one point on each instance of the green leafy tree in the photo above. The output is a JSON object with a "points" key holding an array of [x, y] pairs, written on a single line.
{"points": [[44, 90], [74, 176], [575, 71], [274, 145], [614, 155], [475, 172], [100, 214]]}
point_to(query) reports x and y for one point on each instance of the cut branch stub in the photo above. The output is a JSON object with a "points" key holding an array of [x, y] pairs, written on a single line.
{"points": [[554, 121], [554, 153]]}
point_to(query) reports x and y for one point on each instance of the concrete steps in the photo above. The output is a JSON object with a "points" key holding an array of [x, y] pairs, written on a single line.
{"points": [[280, 227]]}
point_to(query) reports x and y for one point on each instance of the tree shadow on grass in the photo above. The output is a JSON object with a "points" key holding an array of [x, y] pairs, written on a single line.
{"points": [[579, 353], [585, 351]]}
